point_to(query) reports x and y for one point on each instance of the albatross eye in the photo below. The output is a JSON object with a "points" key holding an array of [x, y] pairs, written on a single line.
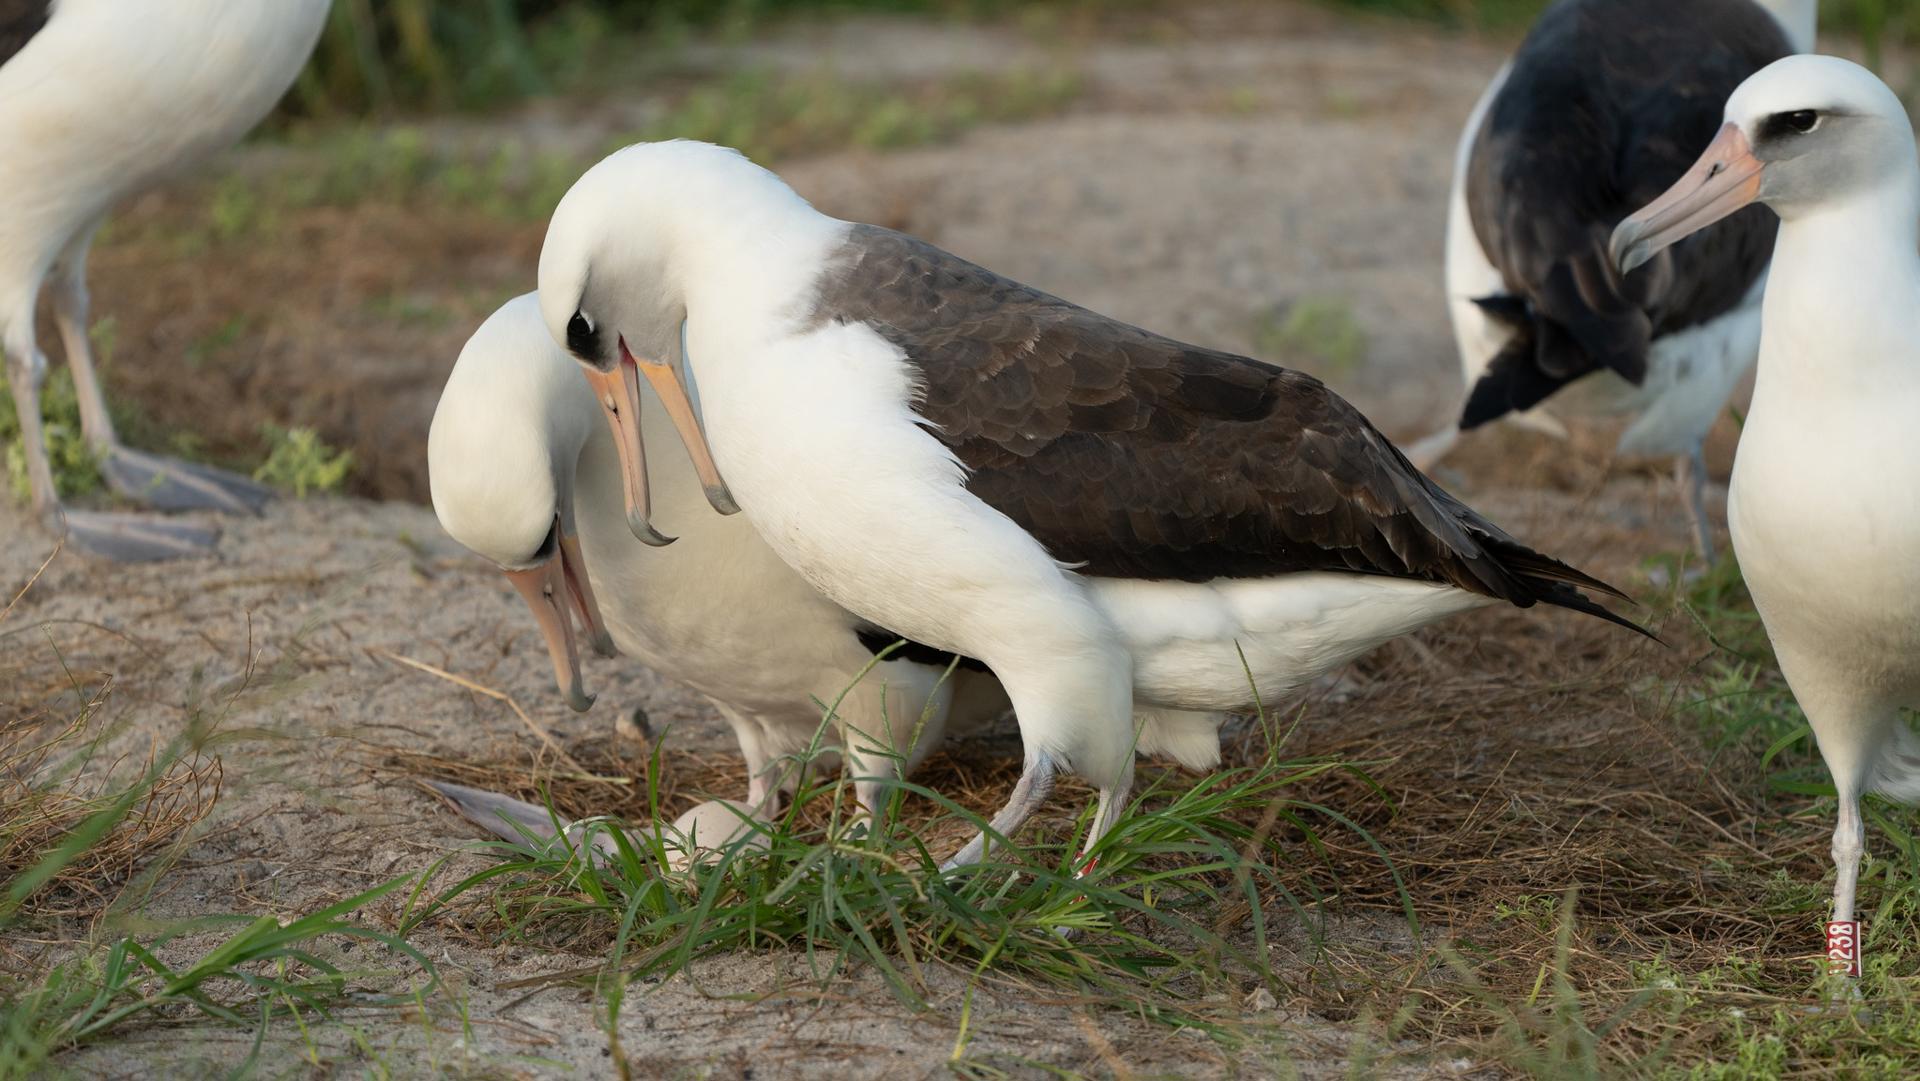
{"points": [[1787, 125], [580, 334]]}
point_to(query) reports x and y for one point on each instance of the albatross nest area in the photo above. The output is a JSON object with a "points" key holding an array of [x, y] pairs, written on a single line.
{"points": [[1107, 540]]}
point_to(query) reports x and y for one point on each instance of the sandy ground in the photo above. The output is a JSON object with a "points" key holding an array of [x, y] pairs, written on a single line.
{"points": [[1220, 165]]}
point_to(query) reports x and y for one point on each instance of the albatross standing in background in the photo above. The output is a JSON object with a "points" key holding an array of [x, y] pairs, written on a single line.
{"points": [[100, 99], [1825, 504], [1603, 106], [1105, 517], [524, 472]]}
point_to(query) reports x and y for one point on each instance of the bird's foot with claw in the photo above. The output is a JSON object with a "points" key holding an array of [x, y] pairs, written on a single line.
{"points": [[135, 538], [173, 485]]}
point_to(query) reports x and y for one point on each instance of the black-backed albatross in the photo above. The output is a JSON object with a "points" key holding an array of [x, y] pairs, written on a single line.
{"points": [[99, 100], [1106, 517], [523, 471], [1603, 106], [1825, 504]]}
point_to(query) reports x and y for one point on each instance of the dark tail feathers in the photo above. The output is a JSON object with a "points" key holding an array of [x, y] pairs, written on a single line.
{"points": [[1574, 327], [1558, 584]]}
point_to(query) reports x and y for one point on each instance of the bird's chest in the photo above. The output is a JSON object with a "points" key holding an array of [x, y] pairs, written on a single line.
{"points": [[1825, 516]]}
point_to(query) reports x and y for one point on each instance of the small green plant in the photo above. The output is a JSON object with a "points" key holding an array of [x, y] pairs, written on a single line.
{"points": [[1316, 334], [299, 461], [76, 469], [1535, 910]]}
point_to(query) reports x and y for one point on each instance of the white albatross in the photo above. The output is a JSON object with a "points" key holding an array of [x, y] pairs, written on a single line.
{"points": [[1107, 518], [1605, 104], [100, 99], [524, 473], [1825, 504]]}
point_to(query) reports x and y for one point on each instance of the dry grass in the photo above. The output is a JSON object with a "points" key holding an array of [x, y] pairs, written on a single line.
{"points": [[46, 799], [60, 784]]}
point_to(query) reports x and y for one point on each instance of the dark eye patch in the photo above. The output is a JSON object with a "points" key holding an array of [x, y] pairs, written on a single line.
{"points": [[1783, 125], [582, 338]]}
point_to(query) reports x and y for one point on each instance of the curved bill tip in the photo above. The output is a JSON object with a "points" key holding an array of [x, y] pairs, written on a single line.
{"points": [[1725, 178], [721, 499], [603, 644], [1625, 249], [543, 586], [643, 529]]}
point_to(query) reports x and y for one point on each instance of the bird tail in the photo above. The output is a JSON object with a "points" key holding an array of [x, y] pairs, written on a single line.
{"points": [[1896, 773], [1576, 324], [1556, 583]]}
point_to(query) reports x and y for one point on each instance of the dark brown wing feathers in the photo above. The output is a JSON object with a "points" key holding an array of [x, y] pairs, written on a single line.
{"points": [[19, 21], [1139, 457]]}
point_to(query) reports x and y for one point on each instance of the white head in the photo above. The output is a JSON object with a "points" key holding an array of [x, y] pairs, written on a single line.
{"points": [[501, 454], [1803, 135], [613, 283]]}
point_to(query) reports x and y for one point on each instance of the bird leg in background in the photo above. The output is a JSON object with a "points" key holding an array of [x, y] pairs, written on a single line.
{"points": [[1029, 792], [1690, 473], [115, 536], [26, 370], [150, 479]]}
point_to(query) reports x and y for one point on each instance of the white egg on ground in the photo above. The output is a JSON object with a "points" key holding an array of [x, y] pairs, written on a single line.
{"points": [[707, 830]]}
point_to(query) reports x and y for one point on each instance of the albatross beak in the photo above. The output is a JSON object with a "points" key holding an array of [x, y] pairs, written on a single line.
{"points": [[543, 587], [574, 569], [618, 392], [1726, 178], [666, 383]]}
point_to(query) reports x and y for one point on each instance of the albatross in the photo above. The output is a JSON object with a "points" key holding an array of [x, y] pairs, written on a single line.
{"points": [[1603, 106], [523, 472], [1825, 503], [100, 99], [1109, 519]]}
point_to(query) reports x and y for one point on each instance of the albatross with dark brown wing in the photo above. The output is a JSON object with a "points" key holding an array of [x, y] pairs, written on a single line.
{"points": [[1132, 455]]}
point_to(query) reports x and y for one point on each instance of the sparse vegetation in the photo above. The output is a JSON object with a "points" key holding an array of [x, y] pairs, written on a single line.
{"points": [[87, 837], [770, 118], [443, 54], [1315, 334], [298, 461], [1142, 930]]}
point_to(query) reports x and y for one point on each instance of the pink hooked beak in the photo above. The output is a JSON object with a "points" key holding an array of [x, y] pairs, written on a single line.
{"points": [[618, 392]]}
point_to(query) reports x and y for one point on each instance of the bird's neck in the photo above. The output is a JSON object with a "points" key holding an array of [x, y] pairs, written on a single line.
{"points": [[1843, 290], [751, 274], [1798, 18]]}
